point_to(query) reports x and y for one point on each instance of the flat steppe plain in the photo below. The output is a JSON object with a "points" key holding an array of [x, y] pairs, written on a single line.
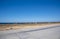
{"points": [[23, 26]]}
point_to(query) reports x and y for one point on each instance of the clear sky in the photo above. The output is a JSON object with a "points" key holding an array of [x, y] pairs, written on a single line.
{"points": [[29, 10]]}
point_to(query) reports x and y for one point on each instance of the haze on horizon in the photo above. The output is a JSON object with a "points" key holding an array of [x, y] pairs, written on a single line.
{"points": [[29, 10]]}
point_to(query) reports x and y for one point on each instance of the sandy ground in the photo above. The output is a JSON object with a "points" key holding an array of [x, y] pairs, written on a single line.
{"points": [[20, 26], [51, 31]]}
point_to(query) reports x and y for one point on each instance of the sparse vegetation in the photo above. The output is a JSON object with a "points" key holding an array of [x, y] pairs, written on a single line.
{"points": [[8, 26]]}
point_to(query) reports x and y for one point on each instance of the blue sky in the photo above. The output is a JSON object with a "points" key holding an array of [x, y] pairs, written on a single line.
{"points": [[29, 10]]}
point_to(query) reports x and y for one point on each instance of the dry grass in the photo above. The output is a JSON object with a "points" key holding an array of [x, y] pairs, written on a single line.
{"points": [[20, 26]]}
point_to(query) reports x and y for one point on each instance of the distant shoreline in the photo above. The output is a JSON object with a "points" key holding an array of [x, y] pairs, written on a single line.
{"points": [[29, 22], [14, 26]]}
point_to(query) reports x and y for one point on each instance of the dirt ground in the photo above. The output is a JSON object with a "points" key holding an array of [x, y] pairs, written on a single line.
{"points": [[20, 26]]}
